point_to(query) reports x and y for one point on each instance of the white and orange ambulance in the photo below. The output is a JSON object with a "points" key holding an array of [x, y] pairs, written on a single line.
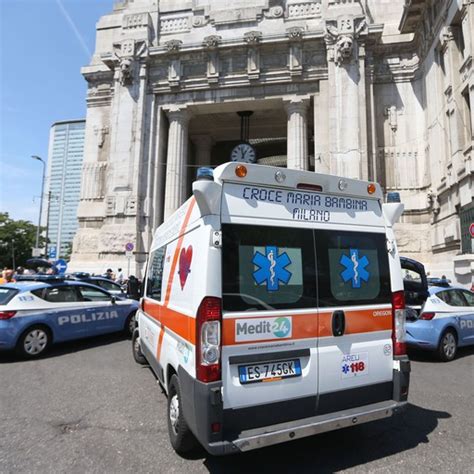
{"points": [[273, 309]]}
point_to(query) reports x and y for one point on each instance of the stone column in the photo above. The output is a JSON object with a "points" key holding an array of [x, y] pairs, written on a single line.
{"points": [[203, 147], [176, 169], [297, 154]]}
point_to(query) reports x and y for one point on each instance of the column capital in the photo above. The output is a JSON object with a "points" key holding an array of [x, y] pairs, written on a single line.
{"points": [[296, 104], [178, 113]]}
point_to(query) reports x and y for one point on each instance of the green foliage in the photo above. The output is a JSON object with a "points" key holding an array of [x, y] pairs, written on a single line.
{"points": [[22, 234]]}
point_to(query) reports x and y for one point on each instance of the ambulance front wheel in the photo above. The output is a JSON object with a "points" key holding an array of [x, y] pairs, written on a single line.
{"points": [[181, 437], [137, 350]]}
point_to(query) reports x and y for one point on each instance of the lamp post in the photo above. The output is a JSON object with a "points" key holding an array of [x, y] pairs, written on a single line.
{"points": [[41, 201]]}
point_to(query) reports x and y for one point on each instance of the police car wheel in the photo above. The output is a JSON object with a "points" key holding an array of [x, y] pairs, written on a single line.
{"points": [[34, 342], [448, 346], [137, 350], [130, 325], [181, 437]]}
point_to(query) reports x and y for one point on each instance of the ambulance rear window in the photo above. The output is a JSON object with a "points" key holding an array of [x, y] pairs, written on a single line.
{"points": [[267, 268], [353, 268]]}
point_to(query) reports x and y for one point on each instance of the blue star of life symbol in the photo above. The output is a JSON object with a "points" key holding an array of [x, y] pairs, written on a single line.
{"points": [[272, 268], [355, 268], [345, 368]]}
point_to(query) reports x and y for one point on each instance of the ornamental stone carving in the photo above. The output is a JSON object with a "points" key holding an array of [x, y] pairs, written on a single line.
{"points": [[211, 41], [253, 37], [126, 53], [304, 9], [199, 21], [295, 33], [174, 25], [101, 132], [173, 46], [274, 12], [340, 38]]}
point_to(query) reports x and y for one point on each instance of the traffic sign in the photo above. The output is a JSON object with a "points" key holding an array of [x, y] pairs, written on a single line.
{"points": [[52, 251], [129, 247], [129, 254], [60, 265], [471, 229]]}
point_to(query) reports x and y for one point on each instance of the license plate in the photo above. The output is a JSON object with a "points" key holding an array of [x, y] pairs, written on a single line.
{"points": [[269, 371]]}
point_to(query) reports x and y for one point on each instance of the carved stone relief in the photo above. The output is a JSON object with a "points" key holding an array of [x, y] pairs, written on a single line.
{"points": [[308, 9], [101, 132], [341, 35], [174, 24], [127, 53]]}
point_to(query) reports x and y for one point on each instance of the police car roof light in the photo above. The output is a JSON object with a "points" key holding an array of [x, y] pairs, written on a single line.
{"points": [[393, 197], [205, 173]]}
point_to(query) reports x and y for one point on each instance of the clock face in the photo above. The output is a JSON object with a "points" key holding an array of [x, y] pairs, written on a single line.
{"points": [[244, 153]]}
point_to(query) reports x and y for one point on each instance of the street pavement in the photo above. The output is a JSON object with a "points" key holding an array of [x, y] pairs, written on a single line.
{"points": [[88, 407]]}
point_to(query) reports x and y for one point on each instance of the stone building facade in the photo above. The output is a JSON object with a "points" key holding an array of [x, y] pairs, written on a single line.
{"points": [[372, 89]]}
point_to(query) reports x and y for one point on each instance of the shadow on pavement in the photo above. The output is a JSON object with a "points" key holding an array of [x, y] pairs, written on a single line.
{"points": [[70, 347], [419, 355], [337, 450]]}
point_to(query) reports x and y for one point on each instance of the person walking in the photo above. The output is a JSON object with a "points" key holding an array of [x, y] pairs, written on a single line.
{"points": [[7, 277], [120, 276]]}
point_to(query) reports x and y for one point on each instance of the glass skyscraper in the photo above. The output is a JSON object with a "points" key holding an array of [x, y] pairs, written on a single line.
{"points": [[66, 152]]}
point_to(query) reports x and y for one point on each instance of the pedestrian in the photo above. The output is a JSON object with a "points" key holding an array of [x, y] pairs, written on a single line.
{"points": [[109, 274], [120, 276], [19, 271], [7, 277], [133, 288]]}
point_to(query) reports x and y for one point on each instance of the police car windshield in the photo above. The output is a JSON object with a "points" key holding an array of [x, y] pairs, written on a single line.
{"points": [[6, 294]]}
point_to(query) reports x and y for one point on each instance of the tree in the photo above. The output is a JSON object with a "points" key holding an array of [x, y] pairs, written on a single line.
{"points": [[17, 238]]}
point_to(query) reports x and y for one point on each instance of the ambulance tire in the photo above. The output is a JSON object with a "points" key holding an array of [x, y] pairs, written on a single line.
{"points": [[137, 350], [34, 342], [181, 437], [448, 346]]}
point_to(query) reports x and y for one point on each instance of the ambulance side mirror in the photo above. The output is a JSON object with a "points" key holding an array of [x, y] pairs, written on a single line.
{"points": [[392, 211], [208, 197]]}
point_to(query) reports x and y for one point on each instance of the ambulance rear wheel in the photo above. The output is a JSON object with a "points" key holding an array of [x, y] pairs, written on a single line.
{"points": [[34, 342], [181, 437], [137, 350]]}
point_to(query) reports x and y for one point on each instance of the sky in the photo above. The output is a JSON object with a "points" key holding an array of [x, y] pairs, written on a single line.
{"points": [[43, 45]]}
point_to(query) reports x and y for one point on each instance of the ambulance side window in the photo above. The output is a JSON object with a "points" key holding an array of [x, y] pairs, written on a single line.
{"points": [[155, 273]]}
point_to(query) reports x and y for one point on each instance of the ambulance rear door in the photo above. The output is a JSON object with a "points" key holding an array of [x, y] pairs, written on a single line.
{"points": [[355, 317]]}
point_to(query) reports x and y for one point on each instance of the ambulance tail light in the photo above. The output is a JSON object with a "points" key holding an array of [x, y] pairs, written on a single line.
{"points": [[208, 340], [399, 330], [7, 314]]}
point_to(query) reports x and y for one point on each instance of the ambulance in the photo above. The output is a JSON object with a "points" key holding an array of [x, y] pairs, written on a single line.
{"points": [[273, 309]]}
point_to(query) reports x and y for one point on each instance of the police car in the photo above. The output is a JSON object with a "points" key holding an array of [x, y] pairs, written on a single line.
{"points": [[35, 314], [446, 322]]}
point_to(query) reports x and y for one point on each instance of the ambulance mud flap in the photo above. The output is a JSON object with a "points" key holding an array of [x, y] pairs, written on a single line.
{"points": [[202, 409], [401, 378]]}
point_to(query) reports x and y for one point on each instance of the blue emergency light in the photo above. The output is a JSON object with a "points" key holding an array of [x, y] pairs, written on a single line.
{"points": [[205, 173]]}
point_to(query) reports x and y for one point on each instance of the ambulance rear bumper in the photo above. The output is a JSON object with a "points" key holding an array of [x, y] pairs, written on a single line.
{"points": [[269, 435]]}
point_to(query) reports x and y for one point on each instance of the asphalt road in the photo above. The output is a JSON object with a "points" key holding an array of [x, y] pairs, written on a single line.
{"points": [[89, 407]]}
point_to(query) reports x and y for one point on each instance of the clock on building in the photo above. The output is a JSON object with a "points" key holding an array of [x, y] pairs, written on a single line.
{"points": [[244, 152]]}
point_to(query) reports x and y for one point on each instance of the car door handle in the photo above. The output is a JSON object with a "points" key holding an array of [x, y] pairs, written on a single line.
{"points": [[338, 323]]}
